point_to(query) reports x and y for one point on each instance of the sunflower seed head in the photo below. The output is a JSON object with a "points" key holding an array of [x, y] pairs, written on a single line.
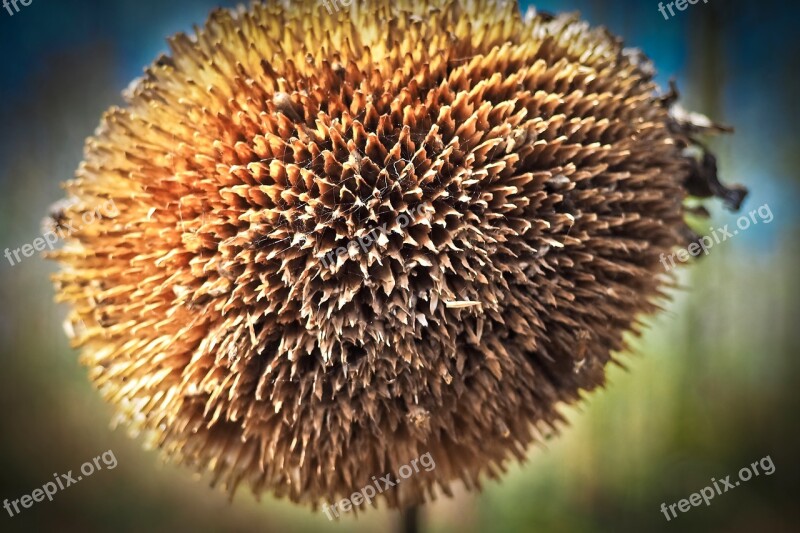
{"points": [[541, 178]]}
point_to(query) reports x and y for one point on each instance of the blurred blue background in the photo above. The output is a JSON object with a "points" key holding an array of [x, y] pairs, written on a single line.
{"points": [[712, 385]]}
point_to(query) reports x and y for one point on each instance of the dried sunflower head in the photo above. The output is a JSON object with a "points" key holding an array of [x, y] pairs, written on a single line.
{"points": [[540, 178]]}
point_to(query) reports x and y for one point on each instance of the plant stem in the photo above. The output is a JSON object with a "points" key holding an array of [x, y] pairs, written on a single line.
{"points": [[410, 520]]}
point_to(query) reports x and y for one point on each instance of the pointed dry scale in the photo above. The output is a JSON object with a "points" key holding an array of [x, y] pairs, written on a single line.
{"points": [[545, 175]]}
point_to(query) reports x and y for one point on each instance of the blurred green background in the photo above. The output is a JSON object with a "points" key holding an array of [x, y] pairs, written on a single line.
{"points": [[710, 387]]}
